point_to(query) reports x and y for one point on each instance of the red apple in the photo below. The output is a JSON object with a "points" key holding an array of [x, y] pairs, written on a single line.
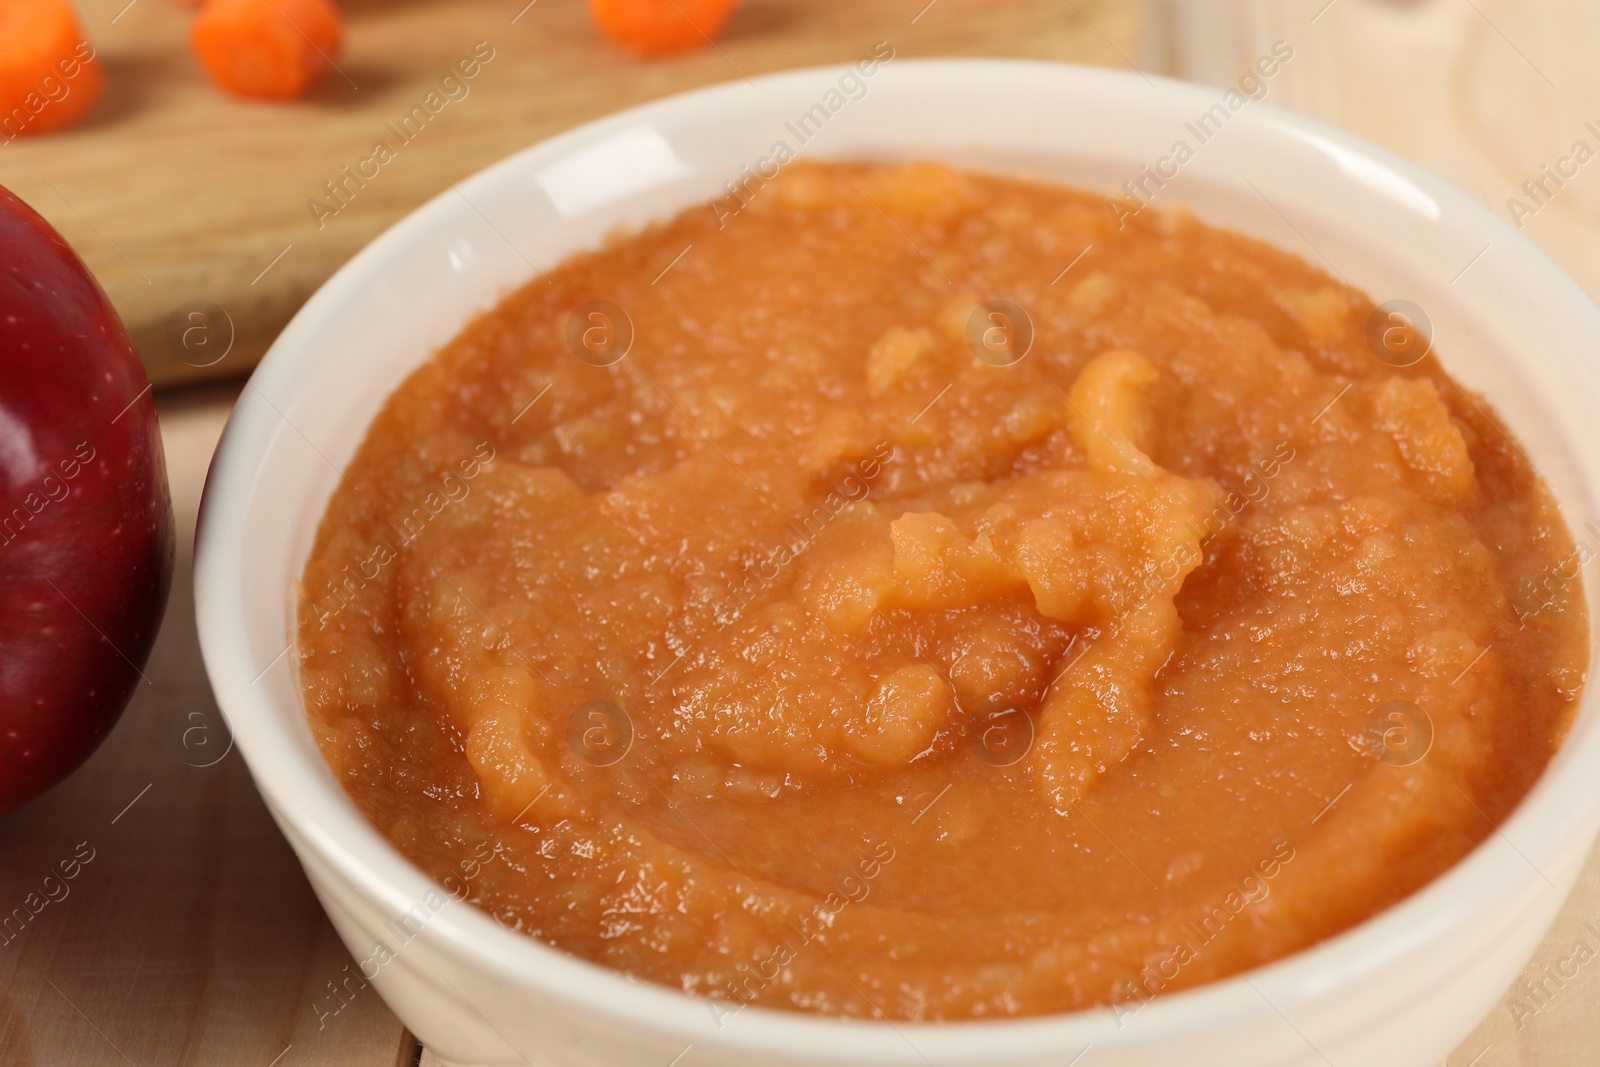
{"points": [[85, 519]]}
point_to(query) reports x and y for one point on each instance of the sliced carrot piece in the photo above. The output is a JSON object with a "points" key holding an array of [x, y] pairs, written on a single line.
{"points": [[266, 49], [651, 27], [48, 73]]}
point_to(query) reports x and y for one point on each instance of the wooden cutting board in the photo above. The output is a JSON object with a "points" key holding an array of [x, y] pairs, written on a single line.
{"points": [[184, 200]]}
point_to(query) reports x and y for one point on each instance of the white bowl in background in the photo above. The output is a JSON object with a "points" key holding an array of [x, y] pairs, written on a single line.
{"points": [[1401, 988]]}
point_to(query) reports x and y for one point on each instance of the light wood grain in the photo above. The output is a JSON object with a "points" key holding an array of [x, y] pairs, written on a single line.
{"points": [[1559, 1025], [175, 193], [191, 937]]}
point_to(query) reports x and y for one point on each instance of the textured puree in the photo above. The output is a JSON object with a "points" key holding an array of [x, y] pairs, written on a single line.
{"points": [[802, 657]]}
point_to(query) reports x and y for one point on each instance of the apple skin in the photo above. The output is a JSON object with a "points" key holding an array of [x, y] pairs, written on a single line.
{"points": [[86, 539]]}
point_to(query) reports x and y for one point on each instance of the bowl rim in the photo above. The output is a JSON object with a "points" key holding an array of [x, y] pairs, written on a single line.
{"points": [[1560, 803]]}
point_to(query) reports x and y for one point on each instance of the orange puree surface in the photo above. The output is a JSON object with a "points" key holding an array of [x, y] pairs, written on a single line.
{"points": [[910, 593]]}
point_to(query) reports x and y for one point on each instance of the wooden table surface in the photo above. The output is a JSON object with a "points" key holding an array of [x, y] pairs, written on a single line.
{"points": [[174, 193], [191, 937]]}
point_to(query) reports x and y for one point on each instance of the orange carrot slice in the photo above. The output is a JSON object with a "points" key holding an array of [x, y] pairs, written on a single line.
{"points": [[48, 73], [266, 49], [651, 27]]}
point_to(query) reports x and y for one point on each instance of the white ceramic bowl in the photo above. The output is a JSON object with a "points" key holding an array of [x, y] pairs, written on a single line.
{"points": [[1402, 988]]}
